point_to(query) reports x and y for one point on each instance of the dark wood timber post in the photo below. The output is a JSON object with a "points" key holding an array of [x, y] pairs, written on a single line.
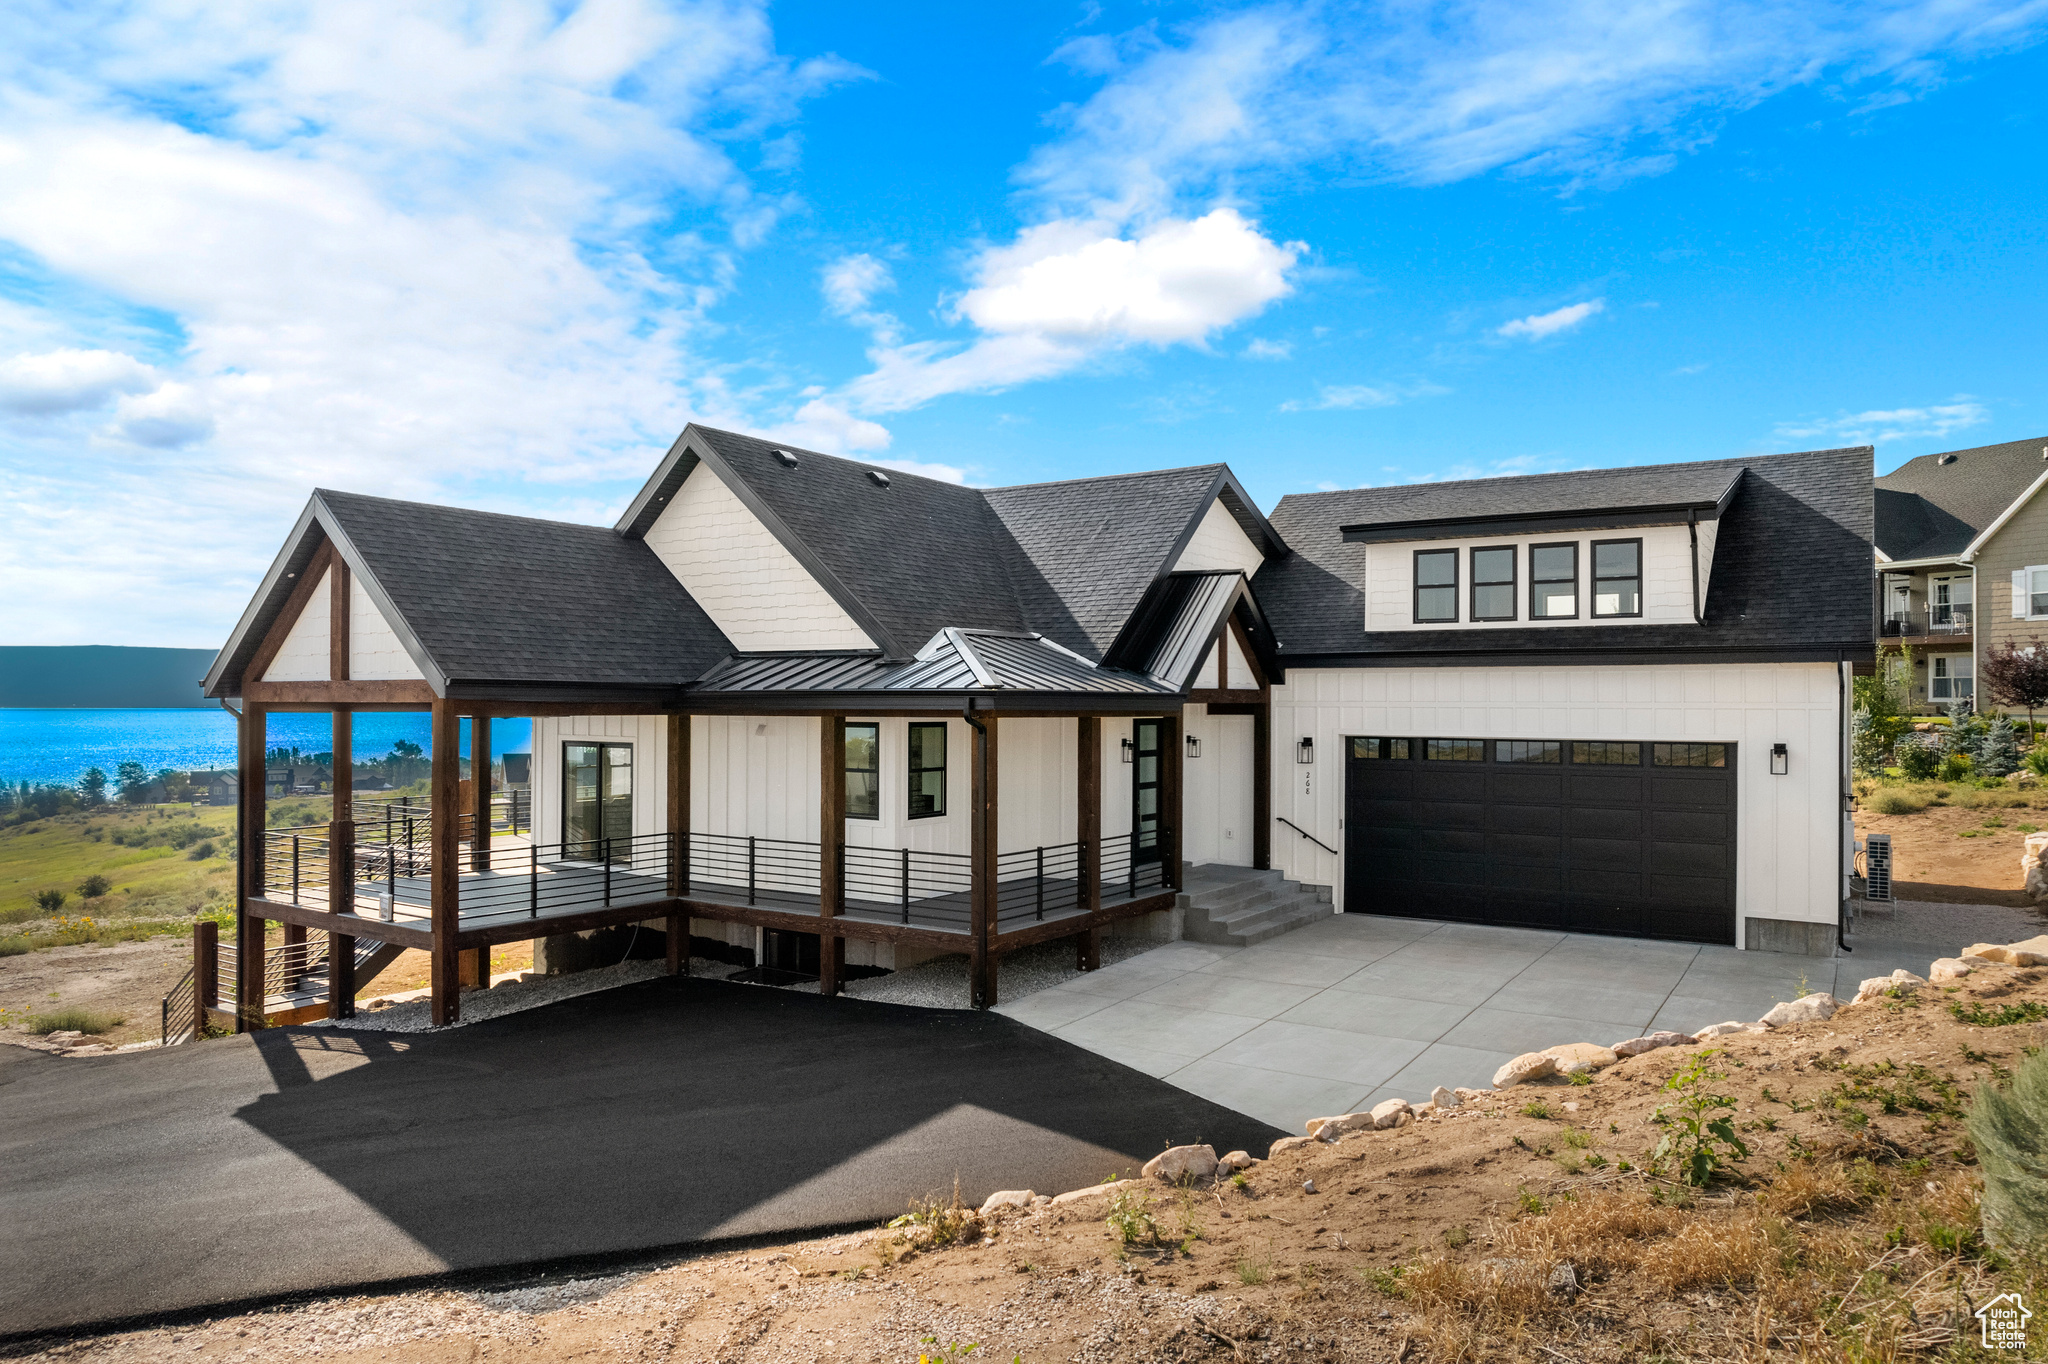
{"points": [[982, 896], [678, 840], [1088, 833], [1262, 787], [480, 787], [341, 859], [1172, 750], [443, 787], [249, 928], [831, 851], [205, 973]]}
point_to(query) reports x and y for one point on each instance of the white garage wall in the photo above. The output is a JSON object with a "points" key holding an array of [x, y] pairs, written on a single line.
{"points": [[1788, 830]]}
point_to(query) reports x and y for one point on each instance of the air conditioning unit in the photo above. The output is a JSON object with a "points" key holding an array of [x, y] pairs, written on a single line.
{"points": [[1877, 867]]}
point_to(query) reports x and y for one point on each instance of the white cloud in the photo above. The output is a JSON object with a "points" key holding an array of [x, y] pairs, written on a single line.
{"points": [[1069, 291], [1346, 397], [851, 282], [1536, 326], [1432, 94], [1262, 349], [1899, 423], [403, 248], [67, 380], [824, 425], [171, 416]]}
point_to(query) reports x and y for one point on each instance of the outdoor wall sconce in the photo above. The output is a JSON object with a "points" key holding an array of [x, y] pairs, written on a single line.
{"points": [[1781, 761], [1128, 750], [1194, 747], [1305, 750]]}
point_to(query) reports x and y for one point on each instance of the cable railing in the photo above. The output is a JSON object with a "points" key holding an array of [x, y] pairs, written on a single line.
{"points": [[295, 861]]}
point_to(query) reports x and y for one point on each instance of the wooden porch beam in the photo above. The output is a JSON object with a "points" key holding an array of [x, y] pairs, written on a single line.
{"points": [[249, 923], [339, 601], [831, 849], [444, 783], [984, 823], [1088, 833], [480, 793], [324, 695]]}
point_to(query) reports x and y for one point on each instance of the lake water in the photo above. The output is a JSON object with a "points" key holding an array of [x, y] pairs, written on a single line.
{"points": [[58, 745]]}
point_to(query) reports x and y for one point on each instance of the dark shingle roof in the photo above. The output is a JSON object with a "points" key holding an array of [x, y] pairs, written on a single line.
{"points": [[1083, 552], [1927, 509], [1533, 495], [1791, 569]]}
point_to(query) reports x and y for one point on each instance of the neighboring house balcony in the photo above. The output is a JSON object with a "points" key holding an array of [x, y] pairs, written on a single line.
{"points": [[1938, 626]]}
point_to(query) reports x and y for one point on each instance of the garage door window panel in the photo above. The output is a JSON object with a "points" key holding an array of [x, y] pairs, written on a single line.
{"points": [[1436, 586], [1454, 750], [1390, 750], [1527, 751], [1688, 755], [1603, 754]]}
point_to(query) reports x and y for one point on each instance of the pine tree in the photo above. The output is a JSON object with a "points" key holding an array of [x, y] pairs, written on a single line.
{"points": [[1963, 734], [1998, 752]]}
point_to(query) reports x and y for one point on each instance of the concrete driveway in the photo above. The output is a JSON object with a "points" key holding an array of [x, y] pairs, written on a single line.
{"points": [[657, 1115], [1354, 1009]]}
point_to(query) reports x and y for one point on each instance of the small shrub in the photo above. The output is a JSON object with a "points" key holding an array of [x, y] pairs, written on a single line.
{"points": [[200, 851], [2005, 1015], [2036, 761], [1457, 1236], [1956, 767], [1575, 1137], [1700, 1126], [1388, 1280], [50, 901], [1896, 802], [1130, 1218], [74, 1020], [13, 947], [1535, 1108], [92, 887], [1918, 761], [1253, 1270]]}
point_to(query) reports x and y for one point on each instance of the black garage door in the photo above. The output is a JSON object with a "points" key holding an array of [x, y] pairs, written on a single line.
{"points": [[1591, 836]]}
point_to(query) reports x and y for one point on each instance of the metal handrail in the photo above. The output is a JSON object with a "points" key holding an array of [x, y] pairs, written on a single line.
{"points": [[1307, 835]]}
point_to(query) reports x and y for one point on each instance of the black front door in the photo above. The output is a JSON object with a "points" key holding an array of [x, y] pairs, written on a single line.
{"points": [[597, 802], [1145, 790]]}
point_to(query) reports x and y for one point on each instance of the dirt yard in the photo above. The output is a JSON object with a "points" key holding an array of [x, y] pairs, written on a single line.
{"points": [[125, 978], [1850, 1231], [1955, 855]]}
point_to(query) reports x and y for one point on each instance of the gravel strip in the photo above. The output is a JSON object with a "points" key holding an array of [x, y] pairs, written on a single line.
{"points": [[1924, 921], [477, 1005], [941, 983]]}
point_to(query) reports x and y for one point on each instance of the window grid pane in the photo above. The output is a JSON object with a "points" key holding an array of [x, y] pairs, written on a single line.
{"points": [[1554, 581], [927, 770], [863, 771], [1455, 750], [1603, 753], [1527, 751], [1436, 585], [1617, 578], [1688, 755], [1379, 748], [1493, 583]]}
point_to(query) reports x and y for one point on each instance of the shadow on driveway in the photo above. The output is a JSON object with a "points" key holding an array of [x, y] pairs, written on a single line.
{"points": [[656, 1115]]}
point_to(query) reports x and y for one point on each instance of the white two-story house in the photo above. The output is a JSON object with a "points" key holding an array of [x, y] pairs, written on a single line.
{"points": [[833, 717]]}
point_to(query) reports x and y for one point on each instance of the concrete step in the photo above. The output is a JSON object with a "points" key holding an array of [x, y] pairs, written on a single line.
{"points": [[1238, 906]]}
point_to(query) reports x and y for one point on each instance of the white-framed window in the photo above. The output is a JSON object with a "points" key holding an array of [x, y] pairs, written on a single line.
{"points": [[1951, 677], [2030, 592]]}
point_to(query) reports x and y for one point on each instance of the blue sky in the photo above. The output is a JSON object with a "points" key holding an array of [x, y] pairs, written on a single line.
{"points": [[499, 254]]}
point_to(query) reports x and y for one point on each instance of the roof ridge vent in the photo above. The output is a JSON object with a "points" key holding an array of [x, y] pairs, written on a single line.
{"points": [[878, 478], [786, 459], [1951, 459]]}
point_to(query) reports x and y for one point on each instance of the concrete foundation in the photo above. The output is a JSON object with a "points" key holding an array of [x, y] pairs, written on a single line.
{"points": [[1790, 936]]}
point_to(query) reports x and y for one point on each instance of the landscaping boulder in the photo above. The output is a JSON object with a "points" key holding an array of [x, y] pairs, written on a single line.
{"points": [[1533, 1065], [1900, 979], [1636, 1046], [1468, 1095], [1280, 1148], [1444, 1098], [2030, 865], [1329, 1129], [1388, 1114], [1234, 1162], [1423, 1110], [1726, 1029], [1815, 1008], [1949, 968], [2032, 952], [1102, 1190], [1581, 1057], [1177, 1163], [1008, 1198]]}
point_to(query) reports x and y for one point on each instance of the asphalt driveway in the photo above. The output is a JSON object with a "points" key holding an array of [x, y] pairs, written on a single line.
{"points": [[658, 1115]]}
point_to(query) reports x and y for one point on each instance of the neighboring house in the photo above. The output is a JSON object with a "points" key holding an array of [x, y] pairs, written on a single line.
{"points": [[1609, 702], [1962, 562]]}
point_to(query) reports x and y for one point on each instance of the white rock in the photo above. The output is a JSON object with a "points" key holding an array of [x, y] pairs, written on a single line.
{"points": [[1900, 979], [1007, 1198], [1468, 1095], [1286, 1144], [1405, 1118], [1424, 1110], [2030, 865], [1815, 1008], [1978, 963], [1235, 1161], [1444, 1098], [1594, 1055], [1176, 1163], [1533, 1065], [1574, 1065], [1102, 1190], [1949, 968], [1388, 1114], [61, 1038], [2031, 952], [1636, 1046], [1727, 1029], [1329, 1129]]}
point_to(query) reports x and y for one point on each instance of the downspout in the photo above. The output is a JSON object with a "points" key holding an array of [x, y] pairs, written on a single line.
{"points": [[1848, 849], [1692, 530]]}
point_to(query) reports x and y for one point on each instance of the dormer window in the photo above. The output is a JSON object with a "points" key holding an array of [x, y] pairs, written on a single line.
{"points": [[1554, 581], [1617, 577], [1493, 583], [1436, 586]]}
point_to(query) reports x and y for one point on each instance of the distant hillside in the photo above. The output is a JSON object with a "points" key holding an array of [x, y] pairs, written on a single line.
{"points": [[100, 676]]}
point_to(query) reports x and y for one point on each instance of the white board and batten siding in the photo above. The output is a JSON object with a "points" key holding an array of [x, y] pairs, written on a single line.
{"points": [[1216, 789], [374, 653], [746, 580], [1788, 831]]}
